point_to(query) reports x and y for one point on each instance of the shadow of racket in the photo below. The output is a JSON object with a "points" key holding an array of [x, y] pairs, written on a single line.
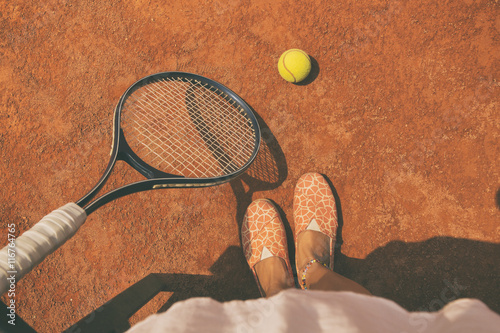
{"points": [[267, 171]]}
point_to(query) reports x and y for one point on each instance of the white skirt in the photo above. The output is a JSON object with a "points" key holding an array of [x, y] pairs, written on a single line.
{"points": [[295, 310]]}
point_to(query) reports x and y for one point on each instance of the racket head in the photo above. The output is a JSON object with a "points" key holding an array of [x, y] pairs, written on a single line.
{"points": [[205, 148], [185, 129]]}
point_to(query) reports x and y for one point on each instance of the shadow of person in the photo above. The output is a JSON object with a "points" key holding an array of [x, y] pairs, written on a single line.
{"points": [[425, 276], [230, 280], [421, 276]]}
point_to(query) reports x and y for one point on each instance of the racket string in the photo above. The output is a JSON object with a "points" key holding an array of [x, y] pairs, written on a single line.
{"points": [[158, 140], [186, 128], [209, 136]]}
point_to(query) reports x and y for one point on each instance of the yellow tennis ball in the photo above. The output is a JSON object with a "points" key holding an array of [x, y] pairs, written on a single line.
{"points": [[294, 65]]}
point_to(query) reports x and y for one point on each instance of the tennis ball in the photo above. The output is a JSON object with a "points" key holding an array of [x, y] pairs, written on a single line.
{"points": [[294, 65]]}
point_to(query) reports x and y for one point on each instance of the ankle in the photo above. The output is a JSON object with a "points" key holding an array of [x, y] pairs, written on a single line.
{"points": [[312, 245], [273, 276], [311, 273]]}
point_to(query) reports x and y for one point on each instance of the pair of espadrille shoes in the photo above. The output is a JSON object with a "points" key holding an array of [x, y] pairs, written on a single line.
{"points": [[263, 233]]}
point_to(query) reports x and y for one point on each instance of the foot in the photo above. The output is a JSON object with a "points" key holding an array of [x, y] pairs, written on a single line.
{"points": [[315, 217], [273, 276], [312, 245], [265, 247]]}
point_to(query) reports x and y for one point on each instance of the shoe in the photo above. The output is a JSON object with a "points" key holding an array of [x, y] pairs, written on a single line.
{"points": [[314, 209], [263, 236]]}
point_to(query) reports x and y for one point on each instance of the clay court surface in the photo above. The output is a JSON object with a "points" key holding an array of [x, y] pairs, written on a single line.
{"points": [[400, 112]]}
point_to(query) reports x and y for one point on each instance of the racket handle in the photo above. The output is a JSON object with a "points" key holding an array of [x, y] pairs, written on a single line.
{"points": [[21, 255]]}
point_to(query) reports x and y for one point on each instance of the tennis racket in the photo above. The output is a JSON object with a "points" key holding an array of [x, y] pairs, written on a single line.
{"points": [[177, 130]]}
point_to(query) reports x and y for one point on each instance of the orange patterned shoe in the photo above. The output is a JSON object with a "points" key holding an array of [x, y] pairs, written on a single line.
{"points": [[263, 236], [314, 209]]}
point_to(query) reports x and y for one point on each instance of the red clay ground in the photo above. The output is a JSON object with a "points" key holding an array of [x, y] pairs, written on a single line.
{"points": [[401, 113]]}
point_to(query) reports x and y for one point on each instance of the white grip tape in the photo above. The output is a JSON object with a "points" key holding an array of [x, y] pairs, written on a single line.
{"points": [[34, 245]]}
